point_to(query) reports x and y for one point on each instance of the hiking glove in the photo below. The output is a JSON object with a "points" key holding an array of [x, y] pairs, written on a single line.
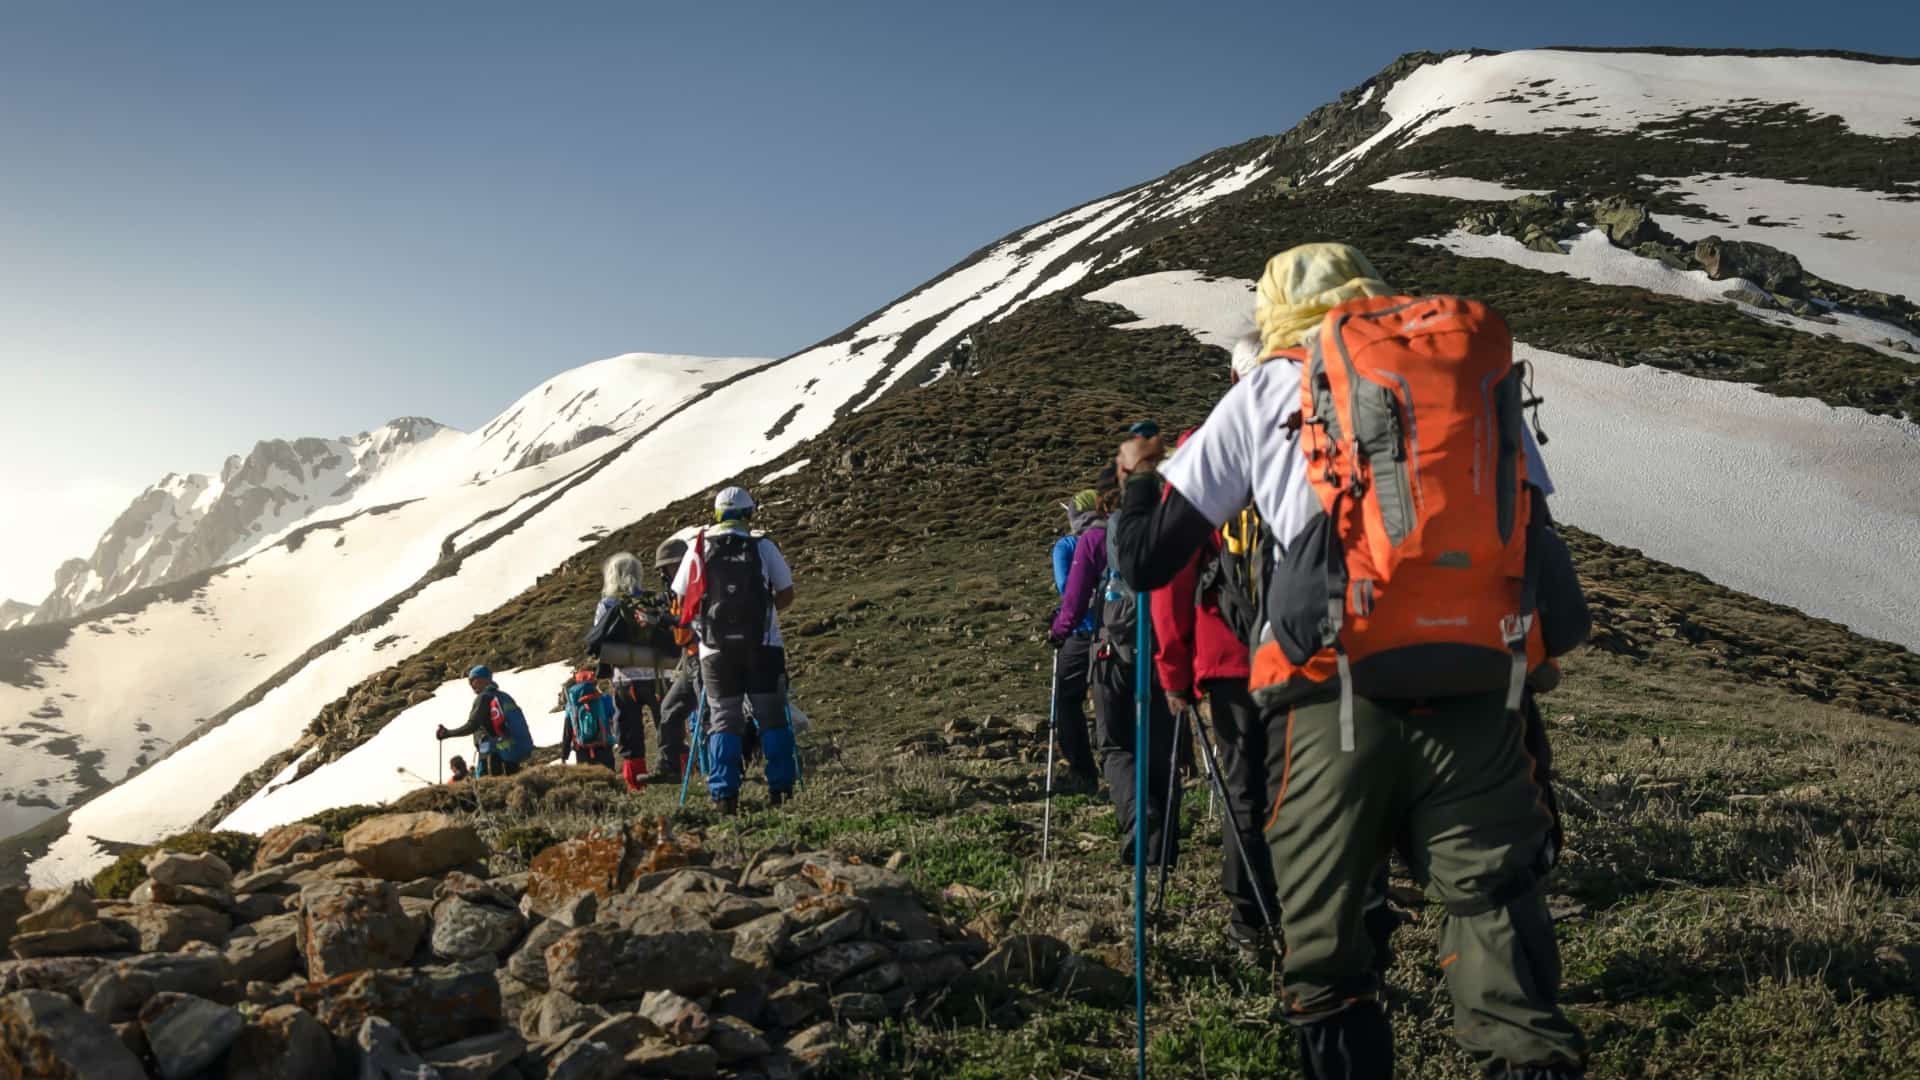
{"points": [[1055, 641], [440, 733]]}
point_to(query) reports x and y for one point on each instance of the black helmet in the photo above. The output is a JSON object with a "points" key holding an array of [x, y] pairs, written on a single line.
{"points": [[669, 553]]}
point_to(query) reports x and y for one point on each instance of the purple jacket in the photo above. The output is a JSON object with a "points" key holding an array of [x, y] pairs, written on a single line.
{"points": [[1083, 581]]}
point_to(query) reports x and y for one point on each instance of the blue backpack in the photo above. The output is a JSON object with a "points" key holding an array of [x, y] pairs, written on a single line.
{"points": [[516, 745], [588, 710]]}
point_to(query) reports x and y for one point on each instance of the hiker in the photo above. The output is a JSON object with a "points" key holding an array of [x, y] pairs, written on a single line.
{"points": [[458, 767], [589, 724], [1073, 650], [1092, 586], [1401, 720], [1202, 626], [732, 585], [683, 695], [632, 637], [501, 741]]}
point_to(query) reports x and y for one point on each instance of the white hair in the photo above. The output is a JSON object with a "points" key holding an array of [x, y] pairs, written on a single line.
{"points": [[622, 575], [1246, 353]]}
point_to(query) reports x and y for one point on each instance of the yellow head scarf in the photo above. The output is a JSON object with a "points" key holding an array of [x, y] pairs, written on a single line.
{"points": [[1302, 284]]}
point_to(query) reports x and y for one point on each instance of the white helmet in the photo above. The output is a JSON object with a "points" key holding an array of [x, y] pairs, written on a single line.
{"points": [[732, 502]]}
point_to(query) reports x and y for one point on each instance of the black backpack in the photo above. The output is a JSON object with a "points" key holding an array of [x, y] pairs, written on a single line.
{"points": [[1234, 579], [733, 600]]}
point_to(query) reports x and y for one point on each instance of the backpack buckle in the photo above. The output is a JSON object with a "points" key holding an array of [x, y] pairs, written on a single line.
{"points": [[1514, 630]]}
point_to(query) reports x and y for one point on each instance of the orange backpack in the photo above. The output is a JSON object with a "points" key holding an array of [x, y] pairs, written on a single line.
{"points": [[1416, 579]]}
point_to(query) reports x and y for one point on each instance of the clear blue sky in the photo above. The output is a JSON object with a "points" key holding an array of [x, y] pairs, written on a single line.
{"points": [[221, 222]]}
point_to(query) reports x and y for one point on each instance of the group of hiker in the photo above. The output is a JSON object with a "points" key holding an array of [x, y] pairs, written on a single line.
{"points": [[1352, 565], [709, 628]]}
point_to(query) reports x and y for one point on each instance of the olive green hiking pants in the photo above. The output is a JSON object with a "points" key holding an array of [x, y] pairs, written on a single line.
{"points": [[1451, 779]]}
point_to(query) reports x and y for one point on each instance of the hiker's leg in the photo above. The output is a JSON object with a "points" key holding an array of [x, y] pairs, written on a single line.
{"points": [[676, 709], [1070, 707], [1479, 831], [1163, 816], [725, 721], [1113, 722], [767, 685], [1328, 828], [1240, 738]]}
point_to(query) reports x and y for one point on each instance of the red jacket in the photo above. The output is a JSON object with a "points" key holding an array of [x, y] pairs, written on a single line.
{"points": [[1192, 643]]}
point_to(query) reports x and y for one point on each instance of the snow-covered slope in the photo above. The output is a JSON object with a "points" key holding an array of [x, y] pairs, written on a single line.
{"points": [[376, 577]]}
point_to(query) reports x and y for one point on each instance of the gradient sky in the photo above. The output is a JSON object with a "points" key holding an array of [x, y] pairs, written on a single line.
{"points": [[226, 222]]}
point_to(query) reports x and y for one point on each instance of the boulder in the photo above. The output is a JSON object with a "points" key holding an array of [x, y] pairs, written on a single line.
{"points": [[529, 962], [555, 1012], [64, 909], [260, 905], [160, 892], [836, 962], [464, 929], [606, 963], [431, 1006], [1084, 979], [383, 1053], [849, 1007], [763, 941], [1772, 269], [677, 1018], [667, 1059], [205, 870], [402, 847], [584, 1059], [1626, 223], [267, 879], [116, 992], [185, 1034], [349, 925], [1023, 960], [794, 1004], [166, 927], [833, 874], [479, 1058], [43, 1034], [733, 1039], [648, 914], [818, 1047], [839, 928], [266, 951], [86, 938], [280, 844], [604, 863], [282, 1043], [875, 980], [61, 974]]}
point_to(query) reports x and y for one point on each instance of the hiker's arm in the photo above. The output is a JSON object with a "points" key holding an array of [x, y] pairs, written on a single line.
{"points": [[1079, 591], [783, 599], [779, 575], [604, 617], [1155, 537], [566, 741], [476, 717], [1173, 630]]}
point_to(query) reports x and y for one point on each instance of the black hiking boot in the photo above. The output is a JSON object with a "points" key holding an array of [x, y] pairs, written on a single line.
{"points": [[727, 807], [778, 798], [1252, 941]]}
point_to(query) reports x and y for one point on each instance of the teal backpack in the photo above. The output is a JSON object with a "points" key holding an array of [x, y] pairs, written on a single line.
{"points": [[588, 710]]}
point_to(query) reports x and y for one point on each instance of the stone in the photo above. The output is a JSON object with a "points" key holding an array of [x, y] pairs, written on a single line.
{"points": [[925, 976], [282, 1043], [789, 892], [279, 845], [874, 980], [818, 1047], [833, 874], [605, 863], [134, 1038], [13, 904], [796, 1003], [896, 860], [166, 927], [555, 1012], [268, 879], [733, 1039], [88, 937], [1023, 960], [185, 1034], [859, 1007], [206, 870], [963, 895], [463, 929], [605, 963], [648, 914], [116, 992], [401, 847], [268, 951], [1772, 269], [749, 1003], [349, 925], [64, 909], [470, 887], [676, 1017], [529, 962], [431, 1006], [515, 997], [849, 924], [478, 1058], [159, 892], [762, 941], [249, 907], [1626, 223], [667, 1059], [1081, 978], [724, 911], [581, 910], [385, 1054], [60, 974], [43, 1034], [836, 962], [585, 1059]]}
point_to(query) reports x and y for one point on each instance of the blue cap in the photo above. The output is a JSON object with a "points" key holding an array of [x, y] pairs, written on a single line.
{"points": [[480, 671]]}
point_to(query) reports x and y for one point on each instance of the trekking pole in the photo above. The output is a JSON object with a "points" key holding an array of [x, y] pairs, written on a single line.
{"points": [[1219, 784], [1053, 719], [1143, 715], [1171, 826], [441, 772], [693, 758]]}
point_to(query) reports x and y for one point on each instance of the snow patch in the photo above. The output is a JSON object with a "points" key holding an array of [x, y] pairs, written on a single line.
{"points": [[1453, 187], [781, 474], [1215, 310]]}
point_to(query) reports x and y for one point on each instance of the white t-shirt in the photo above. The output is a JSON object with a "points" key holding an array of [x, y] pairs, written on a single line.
{"points": [[1246, 453], [773, 569]]}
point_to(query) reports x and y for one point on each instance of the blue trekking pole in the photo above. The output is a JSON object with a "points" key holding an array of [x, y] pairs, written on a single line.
{"points": [[1143, 713], [698, 757]]}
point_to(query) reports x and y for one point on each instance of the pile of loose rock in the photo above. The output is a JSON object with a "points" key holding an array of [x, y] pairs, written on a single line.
{"points": [[996, 738], [623, 953]]}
